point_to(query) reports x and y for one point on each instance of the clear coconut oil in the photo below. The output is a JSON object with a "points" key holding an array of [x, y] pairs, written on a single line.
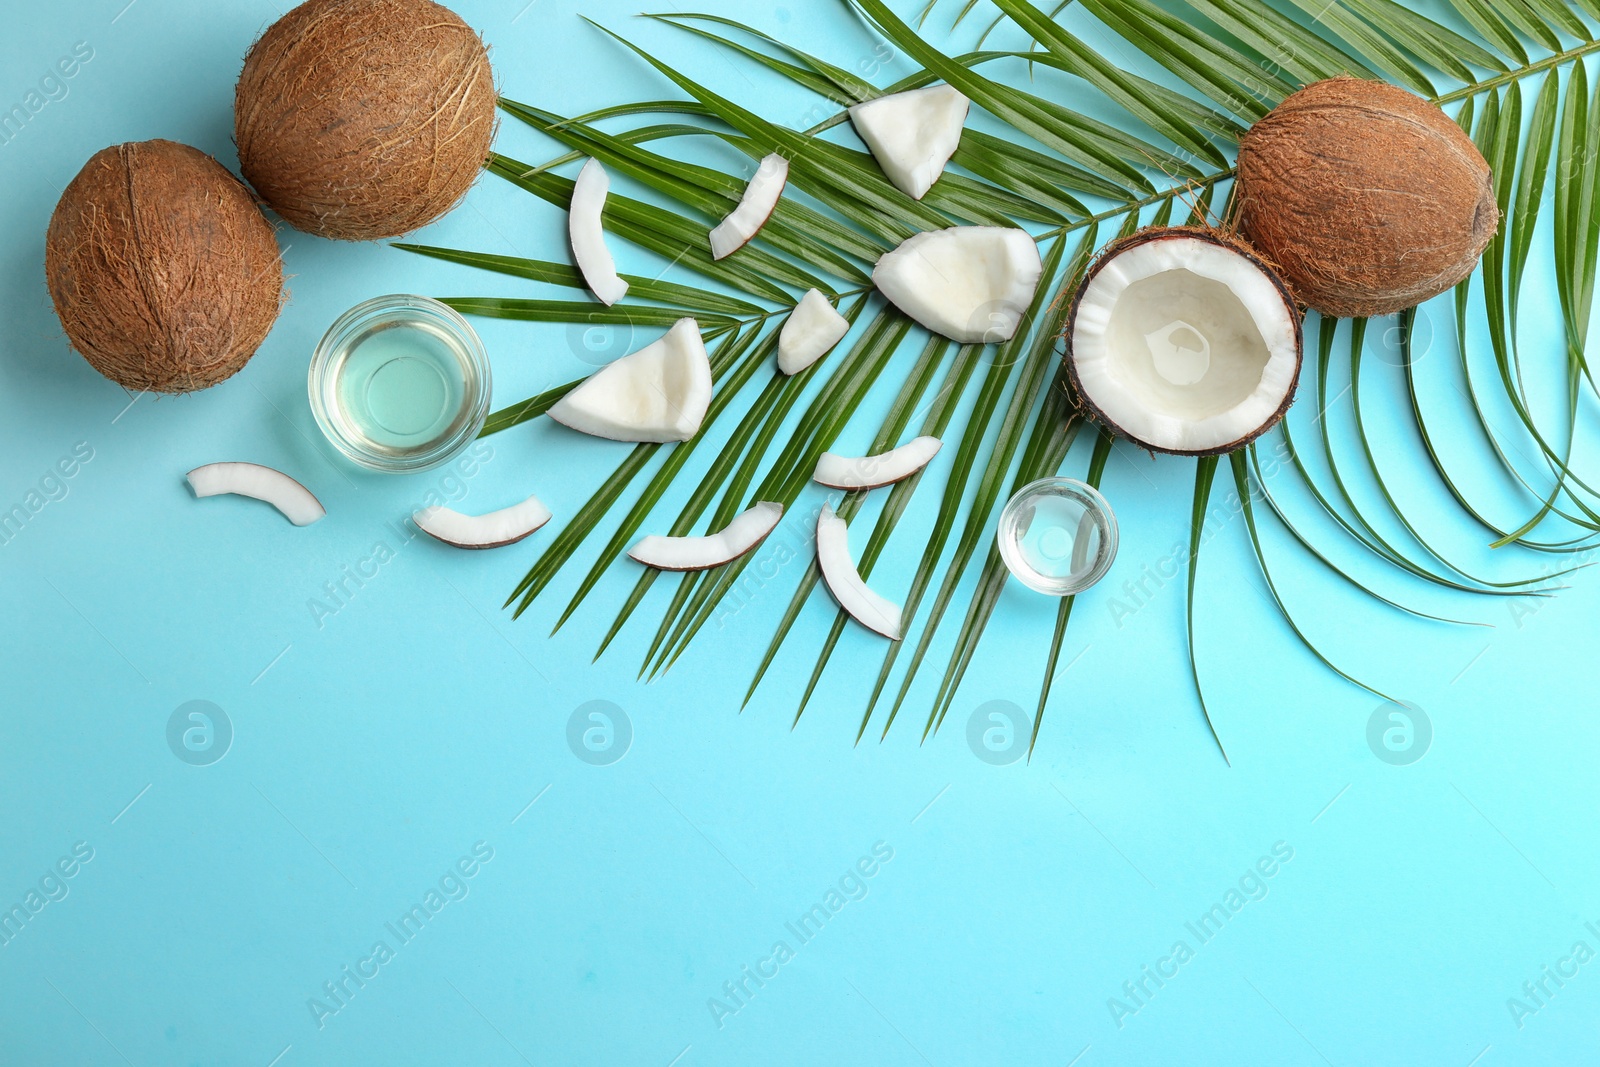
{"points": [[400, 383], [1058, 536]]}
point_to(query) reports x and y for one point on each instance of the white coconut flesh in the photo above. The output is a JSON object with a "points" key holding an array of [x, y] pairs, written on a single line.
{"points": [[295, 501], [972, 284], [760, 200], [588, 234], [494, 530], [844, 580], [812, 330], [855, 473], [660, 393], [1185, 345], [740, 536], [913, 134]]}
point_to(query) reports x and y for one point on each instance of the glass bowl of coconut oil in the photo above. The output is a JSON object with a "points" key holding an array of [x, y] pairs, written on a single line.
{"points": [[400, 383], [1058, 536]]}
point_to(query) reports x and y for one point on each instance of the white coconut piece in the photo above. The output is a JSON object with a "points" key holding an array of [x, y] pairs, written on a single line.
{"points": [[1184, 344], [760, 200], [295, 501], [494, 530], [972, 284], [855, 473], [588, 234], [913, 134], [659, 393], [844, 580], [812, 330], [741, 535]]}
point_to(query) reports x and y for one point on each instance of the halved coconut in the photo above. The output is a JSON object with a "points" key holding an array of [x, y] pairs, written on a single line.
{"points": [[760, 200], [588, 234], [913, 134], [659, 393], [844, 580], [295, 501], [810, 332], [971, 284], [1184, 341], [741, 535], [855, 473], [494, 530]]}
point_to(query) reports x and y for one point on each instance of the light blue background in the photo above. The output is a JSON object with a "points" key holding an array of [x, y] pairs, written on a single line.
{"points": [[371, 753]]}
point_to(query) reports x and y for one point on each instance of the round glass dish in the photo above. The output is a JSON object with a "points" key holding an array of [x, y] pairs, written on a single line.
{"points": [[400, 384], [1058, 536]]}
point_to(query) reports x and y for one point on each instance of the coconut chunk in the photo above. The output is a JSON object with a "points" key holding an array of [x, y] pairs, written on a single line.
{"points": [[1184, 342], [813, 328], [913, 134], [844, 580], [740, 536], [875, 472], [252, 480], [494, 530], [972, 284], [588, 234], [659, 393], [760, 200]]}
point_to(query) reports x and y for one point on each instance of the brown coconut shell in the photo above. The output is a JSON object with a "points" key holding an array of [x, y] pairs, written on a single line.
{"points": [[1224, 239], [365, 119], [1369, 198], [164, 272]]}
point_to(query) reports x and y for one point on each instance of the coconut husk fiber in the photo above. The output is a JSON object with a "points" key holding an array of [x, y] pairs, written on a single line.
{"points": [[1369, 198], [365, 119], [164, 272]]}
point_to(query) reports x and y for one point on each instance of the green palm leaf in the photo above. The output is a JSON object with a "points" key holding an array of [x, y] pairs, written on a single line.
{"points": [[1187, 75]]}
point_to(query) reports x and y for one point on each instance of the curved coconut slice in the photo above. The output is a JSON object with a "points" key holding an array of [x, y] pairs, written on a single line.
{"points": [[296, 502], [494, 530], [844, 581], [659, 393], [1184, 343], [810, 332], [971, 284], [759, 202], [588, 235], [741, 535], [875, 472], [913, 134]]}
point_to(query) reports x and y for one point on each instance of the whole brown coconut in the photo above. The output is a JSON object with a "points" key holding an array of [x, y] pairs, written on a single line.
{"points": [[165, 274], [363, 119], [1368, 198]]}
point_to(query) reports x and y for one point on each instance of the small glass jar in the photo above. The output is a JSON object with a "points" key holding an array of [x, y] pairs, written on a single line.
{"points": [[1058, 536], [400, 384]]}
